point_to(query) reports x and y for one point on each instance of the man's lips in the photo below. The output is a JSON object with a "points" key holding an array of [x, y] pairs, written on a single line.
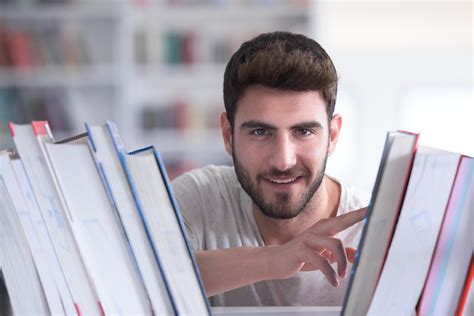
{"points": [[280, 183]]}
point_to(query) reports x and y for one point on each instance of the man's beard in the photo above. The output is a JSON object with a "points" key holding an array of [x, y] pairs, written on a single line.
{"points": [[282, 208]]}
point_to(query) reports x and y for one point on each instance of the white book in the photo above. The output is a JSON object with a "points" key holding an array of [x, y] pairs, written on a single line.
{"points": [[452, 257], [97, 230], [387, 198], [147, 260], [409, 257], [164, 225], [77, 294], [24, 287], [39, 241]]}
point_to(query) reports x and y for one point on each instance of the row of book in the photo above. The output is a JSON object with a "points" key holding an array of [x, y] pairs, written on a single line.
{"points": [[416, 249], [25, 105], [241, 3], [29, 3], [48, 45], [182, 48], [180, 114], [89, 229]]}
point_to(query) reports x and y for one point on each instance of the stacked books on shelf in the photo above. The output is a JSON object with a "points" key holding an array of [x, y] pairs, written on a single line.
{"points": [[89, 229], [181, 115], [416, 248], [23, 47], [185, 47]]}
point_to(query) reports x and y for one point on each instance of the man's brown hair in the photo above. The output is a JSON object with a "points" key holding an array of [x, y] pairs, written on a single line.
{"points": [[280, 60]]}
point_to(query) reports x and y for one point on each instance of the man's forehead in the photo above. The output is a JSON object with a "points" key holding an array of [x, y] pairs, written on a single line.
{"points": [[281, 115], [262, 103]]}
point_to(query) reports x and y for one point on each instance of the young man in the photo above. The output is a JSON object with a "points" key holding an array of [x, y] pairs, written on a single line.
{"points": [[266, 231]]}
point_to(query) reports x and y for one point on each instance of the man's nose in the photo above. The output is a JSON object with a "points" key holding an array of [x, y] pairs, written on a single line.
{"points": [[283, 154]]}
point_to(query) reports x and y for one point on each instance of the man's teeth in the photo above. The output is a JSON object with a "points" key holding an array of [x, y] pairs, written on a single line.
{"points": [[282, 181]]}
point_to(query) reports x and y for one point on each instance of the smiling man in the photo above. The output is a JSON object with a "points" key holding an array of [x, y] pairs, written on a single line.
{"points": [[273, 229]]}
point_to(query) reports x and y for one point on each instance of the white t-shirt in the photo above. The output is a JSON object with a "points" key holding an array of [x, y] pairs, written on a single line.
{"points": [[217, 213]]}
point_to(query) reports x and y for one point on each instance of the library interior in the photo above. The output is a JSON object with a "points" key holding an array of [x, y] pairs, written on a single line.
{"points": [[152, 71]]}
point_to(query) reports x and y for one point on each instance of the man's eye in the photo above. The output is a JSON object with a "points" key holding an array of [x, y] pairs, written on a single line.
{"points": [[259, 132], [304, 132]]}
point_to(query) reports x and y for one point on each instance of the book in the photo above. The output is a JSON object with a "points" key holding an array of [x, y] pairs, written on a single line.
{"points": [[129, 258], [98, 233], [114, 177], [78, 295], [24, 287], [452, 256], [409, 256], [382, 214], [465, 305], [39, 241], [160, 215]]}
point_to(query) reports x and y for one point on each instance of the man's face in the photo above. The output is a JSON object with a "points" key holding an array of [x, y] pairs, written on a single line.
{"points": [[280, 143]]}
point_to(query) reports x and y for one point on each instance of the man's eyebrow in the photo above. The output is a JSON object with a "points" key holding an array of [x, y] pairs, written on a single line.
{"points": [[308, 125], [257, 124]]}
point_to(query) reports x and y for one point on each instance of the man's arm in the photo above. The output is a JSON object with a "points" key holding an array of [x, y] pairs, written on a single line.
{"points": [[227, 269]]}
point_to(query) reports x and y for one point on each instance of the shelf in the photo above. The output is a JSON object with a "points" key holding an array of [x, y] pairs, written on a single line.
{"points": [[195, 76], [88, 10], [122, 32], [196, 13], [58, 76], [190, 141]]}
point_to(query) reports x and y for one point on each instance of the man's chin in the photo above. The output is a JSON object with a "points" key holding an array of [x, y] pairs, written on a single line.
{"points": [[280, 210], [280, 214]]}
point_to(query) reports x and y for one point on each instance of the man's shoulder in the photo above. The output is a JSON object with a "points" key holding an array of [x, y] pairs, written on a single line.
{"points": [[351, 198], [208, 175], [211, 181]]}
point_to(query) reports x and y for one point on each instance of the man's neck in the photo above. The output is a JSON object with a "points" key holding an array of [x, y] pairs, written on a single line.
{"points": [[324, 204]]}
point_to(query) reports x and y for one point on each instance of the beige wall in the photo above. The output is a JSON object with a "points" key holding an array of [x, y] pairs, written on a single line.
{"points": [[384, 52]]}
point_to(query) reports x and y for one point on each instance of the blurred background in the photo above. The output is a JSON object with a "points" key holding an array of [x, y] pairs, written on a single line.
{"points": [[155, 68]]}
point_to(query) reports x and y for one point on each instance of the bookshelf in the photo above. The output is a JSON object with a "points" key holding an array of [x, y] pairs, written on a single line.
{"points": [[155, 67], [60, 61], [180, 52]]}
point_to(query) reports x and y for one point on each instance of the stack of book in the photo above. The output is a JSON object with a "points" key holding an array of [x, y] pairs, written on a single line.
{"points": [[416, 249], [88, 229]]}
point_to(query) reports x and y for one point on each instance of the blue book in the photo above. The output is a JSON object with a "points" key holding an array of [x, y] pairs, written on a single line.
{"points": [[115, 179], [164, 226]]}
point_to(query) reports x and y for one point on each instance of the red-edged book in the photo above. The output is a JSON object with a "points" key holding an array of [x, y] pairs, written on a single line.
{"points": [[443, 285]]}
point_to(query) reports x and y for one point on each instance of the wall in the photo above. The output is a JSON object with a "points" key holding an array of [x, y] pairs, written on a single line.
{"points": [[402, 65]]}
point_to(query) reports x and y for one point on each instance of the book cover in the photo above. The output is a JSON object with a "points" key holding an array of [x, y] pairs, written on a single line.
{"points": [[383, 210]]}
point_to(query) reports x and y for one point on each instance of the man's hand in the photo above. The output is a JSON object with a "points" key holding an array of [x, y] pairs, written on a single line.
{"points": [[315, 249]]}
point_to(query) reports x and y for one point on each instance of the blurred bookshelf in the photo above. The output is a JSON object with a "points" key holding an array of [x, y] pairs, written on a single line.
{"points": [[153, 67]]}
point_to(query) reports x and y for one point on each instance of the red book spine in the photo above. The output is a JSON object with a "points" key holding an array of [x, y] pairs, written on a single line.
{"points": [[465, 289]]}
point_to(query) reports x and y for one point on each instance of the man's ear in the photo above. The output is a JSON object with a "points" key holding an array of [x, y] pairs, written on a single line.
{"points": [[334, 130], [226, 132]]}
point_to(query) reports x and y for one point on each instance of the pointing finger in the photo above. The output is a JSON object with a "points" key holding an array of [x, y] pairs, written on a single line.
{"points": [[332, 226]]}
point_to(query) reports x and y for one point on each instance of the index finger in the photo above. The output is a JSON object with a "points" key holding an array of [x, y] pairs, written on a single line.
{"points": [[332, 226]]}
